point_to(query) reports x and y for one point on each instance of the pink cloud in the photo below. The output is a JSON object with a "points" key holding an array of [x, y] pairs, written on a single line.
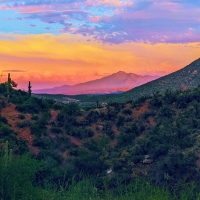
{"points": [[116, 3], [96, 19]]}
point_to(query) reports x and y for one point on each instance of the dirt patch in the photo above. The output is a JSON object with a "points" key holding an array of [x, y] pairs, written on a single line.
{"points": [[65, 154], [54, 114], [52, 135], [113, 143], [141, 110], [198, 163], [80, 118], [128, 105], [12, 115], [114, 128], [75, 141], [151, 121]]}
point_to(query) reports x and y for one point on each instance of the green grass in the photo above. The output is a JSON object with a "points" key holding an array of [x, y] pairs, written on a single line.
{"points": [[138, 190], [18, 183]]}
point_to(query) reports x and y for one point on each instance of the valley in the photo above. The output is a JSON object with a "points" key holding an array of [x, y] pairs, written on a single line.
{"points": [[154, 138]]}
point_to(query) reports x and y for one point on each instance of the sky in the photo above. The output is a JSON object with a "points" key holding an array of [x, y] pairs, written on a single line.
{"points": [[57, 42]]}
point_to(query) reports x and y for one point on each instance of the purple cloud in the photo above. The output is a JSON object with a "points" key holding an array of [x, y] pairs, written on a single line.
{"points": [[14, 70], [116, 21]]}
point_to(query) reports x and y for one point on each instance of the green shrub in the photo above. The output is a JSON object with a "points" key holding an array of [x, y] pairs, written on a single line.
{"points": [[2, 104], [81, 133], [89, 163], [92, 117], [3, 120], [34, 117], [28, 108], [22, 147], [5, 131], [127, 111], [38, 129], [21, 117], [33, 105], [24, 124], [120, 121], [41, 143], [16, 178], [56, 130], [125, 139]]}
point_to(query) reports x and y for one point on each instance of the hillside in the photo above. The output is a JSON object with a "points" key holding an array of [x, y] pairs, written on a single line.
{"points": [[123, 140], [114, 83]]}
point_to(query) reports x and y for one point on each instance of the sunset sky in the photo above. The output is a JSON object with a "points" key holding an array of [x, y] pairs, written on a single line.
{"points": [[57, 42]]}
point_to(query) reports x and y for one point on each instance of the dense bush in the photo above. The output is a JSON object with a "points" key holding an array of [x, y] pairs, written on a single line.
{"points": [[107, 129], [97, 144], [38, 129], [92, 117], [81, 133], [56, 130], [3, 120], [120, 121], [71, 109], [127, 111], [28, 107], [34, 117], [21, 117], [125, 138], [89, 163], [33, 105], [174, 166], [5, 131], [2, 104], [21, 147], [24, 124]]}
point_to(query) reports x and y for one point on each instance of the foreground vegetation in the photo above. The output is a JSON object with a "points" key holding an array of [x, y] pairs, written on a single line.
{"points": [[19, 181], [142, 149]]}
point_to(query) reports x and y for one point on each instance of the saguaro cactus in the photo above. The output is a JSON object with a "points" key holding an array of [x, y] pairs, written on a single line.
{"points": [[29, 88], [7, 155], [1, 76], [97, 103], [8, 86]]}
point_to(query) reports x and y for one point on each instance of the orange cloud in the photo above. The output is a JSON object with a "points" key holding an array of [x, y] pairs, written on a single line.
{"points": [[71, 59]]}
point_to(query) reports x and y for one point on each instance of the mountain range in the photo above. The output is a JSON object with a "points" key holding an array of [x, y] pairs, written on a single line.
{"points": [[185, 78], [115, 83]]}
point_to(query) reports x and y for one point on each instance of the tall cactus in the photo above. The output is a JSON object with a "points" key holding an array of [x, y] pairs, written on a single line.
{"points": [[1, 76], [29, 88], [7, 155], [8, 86]]}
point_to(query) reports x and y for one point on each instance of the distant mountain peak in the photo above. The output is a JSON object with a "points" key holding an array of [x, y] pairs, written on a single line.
{"points": [[124, 75], [186, 78], [119, 81], [121, 71]]}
